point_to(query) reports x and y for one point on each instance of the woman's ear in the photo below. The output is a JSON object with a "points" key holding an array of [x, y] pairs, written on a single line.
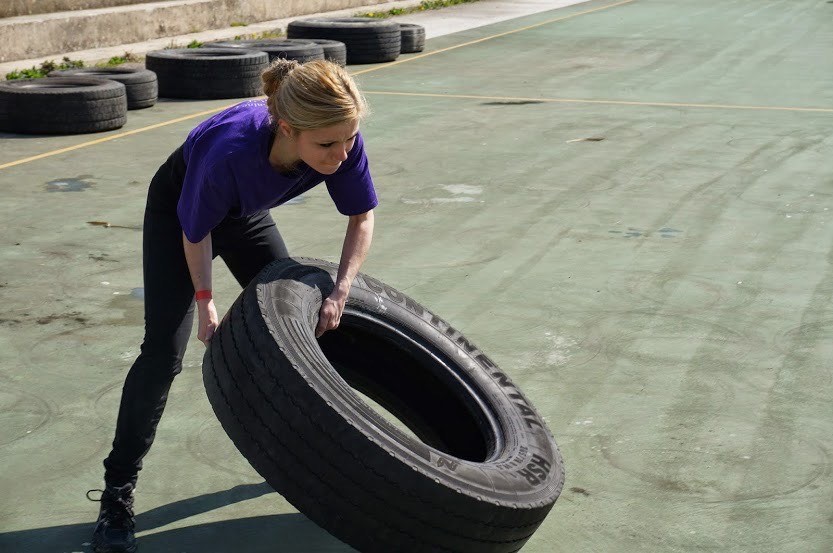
{"points": [[284, 128]]}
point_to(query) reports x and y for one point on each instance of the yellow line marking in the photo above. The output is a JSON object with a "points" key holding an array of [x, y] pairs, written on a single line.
{"points": [[608, 102], [479, 40], [385, 66], [109, 138]]}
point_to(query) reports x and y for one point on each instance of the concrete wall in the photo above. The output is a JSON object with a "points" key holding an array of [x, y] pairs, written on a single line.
{"points": [[28, 37], [12, 8]]}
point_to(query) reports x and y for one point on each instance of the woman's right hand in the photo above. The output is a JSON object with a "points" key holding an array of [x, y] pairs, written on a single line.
{"points": [[208, 320]]}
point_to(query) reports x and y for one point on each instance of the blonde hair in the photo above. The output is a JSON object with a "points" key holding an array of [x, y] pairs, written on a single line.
{"points": [[312, 95]]}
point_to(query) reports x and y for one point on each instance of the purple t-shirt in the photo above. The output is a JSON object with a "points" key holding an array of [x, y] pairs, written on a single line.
{"points": [[228, 173]]}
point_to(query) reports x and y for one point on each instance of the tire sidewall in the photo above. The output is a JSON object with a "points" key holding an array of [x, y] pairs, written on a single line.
{"points": [[525, 469]]}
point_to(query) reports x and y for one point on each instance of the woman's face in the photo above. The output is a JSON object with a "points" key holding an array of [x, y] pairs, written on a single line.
{"points": [[325, 149]]}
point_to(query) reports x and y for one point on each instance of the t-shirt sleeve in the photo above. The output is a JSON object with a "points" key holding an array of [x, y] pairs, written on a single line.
{"points": [[351, 187], [207, 196]]}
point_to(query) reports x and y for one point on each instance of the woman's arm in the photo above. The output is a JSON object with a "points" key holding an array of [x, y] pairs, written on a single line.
{"points": [[353, 253], [198, 256]]}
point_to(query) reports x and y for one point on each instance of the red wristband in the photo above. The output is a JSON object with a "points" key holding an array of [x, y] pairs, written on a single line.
{"points": [[203, 295]]}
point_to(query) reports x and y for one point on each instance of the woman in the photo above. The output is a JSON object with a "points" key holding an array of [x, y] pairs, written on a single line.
{"points": [[212, 198]]}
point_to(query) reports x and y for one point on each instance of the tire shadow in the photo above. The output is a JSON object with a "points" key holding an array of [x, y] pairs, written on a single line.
{"points": [[284, 533]]}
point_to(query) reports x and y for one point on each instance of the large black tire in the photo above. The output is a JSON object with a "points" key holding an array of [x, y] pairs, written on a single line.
{"points": [[208, 73], [485, 470], [62, 105], [141, 85], [413, 38], [367, 40], [334, 50], [291, 49]]}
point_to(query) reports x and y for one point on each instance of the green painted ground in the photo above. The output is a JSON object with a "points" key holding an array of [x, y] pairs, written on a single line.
{"points": [[663, 295]]}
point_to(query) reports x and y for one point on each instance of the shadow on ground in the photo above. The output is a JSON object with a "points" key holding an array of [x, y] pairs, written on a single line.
{"points": [[286, 533]]}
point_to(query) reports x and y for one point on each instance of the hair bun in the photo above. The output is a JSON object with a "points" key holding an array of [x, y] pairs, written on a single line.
{"points": [[274, 75]]}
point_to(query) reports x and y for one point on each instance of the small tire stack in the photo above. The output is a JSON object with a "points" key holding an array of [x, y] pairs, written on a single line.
{"points": [[208, 73], [367, 40], [141, 85], [62, 105]]}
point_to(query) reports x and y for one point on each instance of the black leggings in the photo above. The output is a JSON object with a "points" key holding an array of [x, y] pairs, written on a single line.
{"points": [[245, 244]]}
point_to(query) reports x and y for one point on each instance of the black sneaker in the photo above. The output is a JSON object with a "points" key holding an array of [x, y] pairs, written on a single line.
{"points": [[114, 528]]}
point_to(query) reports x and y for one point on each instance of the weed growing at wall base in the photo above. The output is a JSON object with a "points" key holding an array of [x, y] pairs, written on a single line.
{"points": [[44, 69]]}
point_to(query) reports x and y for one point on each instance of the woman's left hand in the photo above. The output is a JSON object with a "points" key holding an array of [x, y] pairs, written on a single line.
{"points": [[330, 315], [356, 244]]}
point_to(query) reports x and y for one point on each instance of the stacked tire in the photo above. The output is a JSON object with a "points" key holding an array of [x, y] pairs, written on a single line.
{"points": [[141, 85], [334, 50], [208, 73], [293, 49], [62, 105], [413, 38], [367, 40]]}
